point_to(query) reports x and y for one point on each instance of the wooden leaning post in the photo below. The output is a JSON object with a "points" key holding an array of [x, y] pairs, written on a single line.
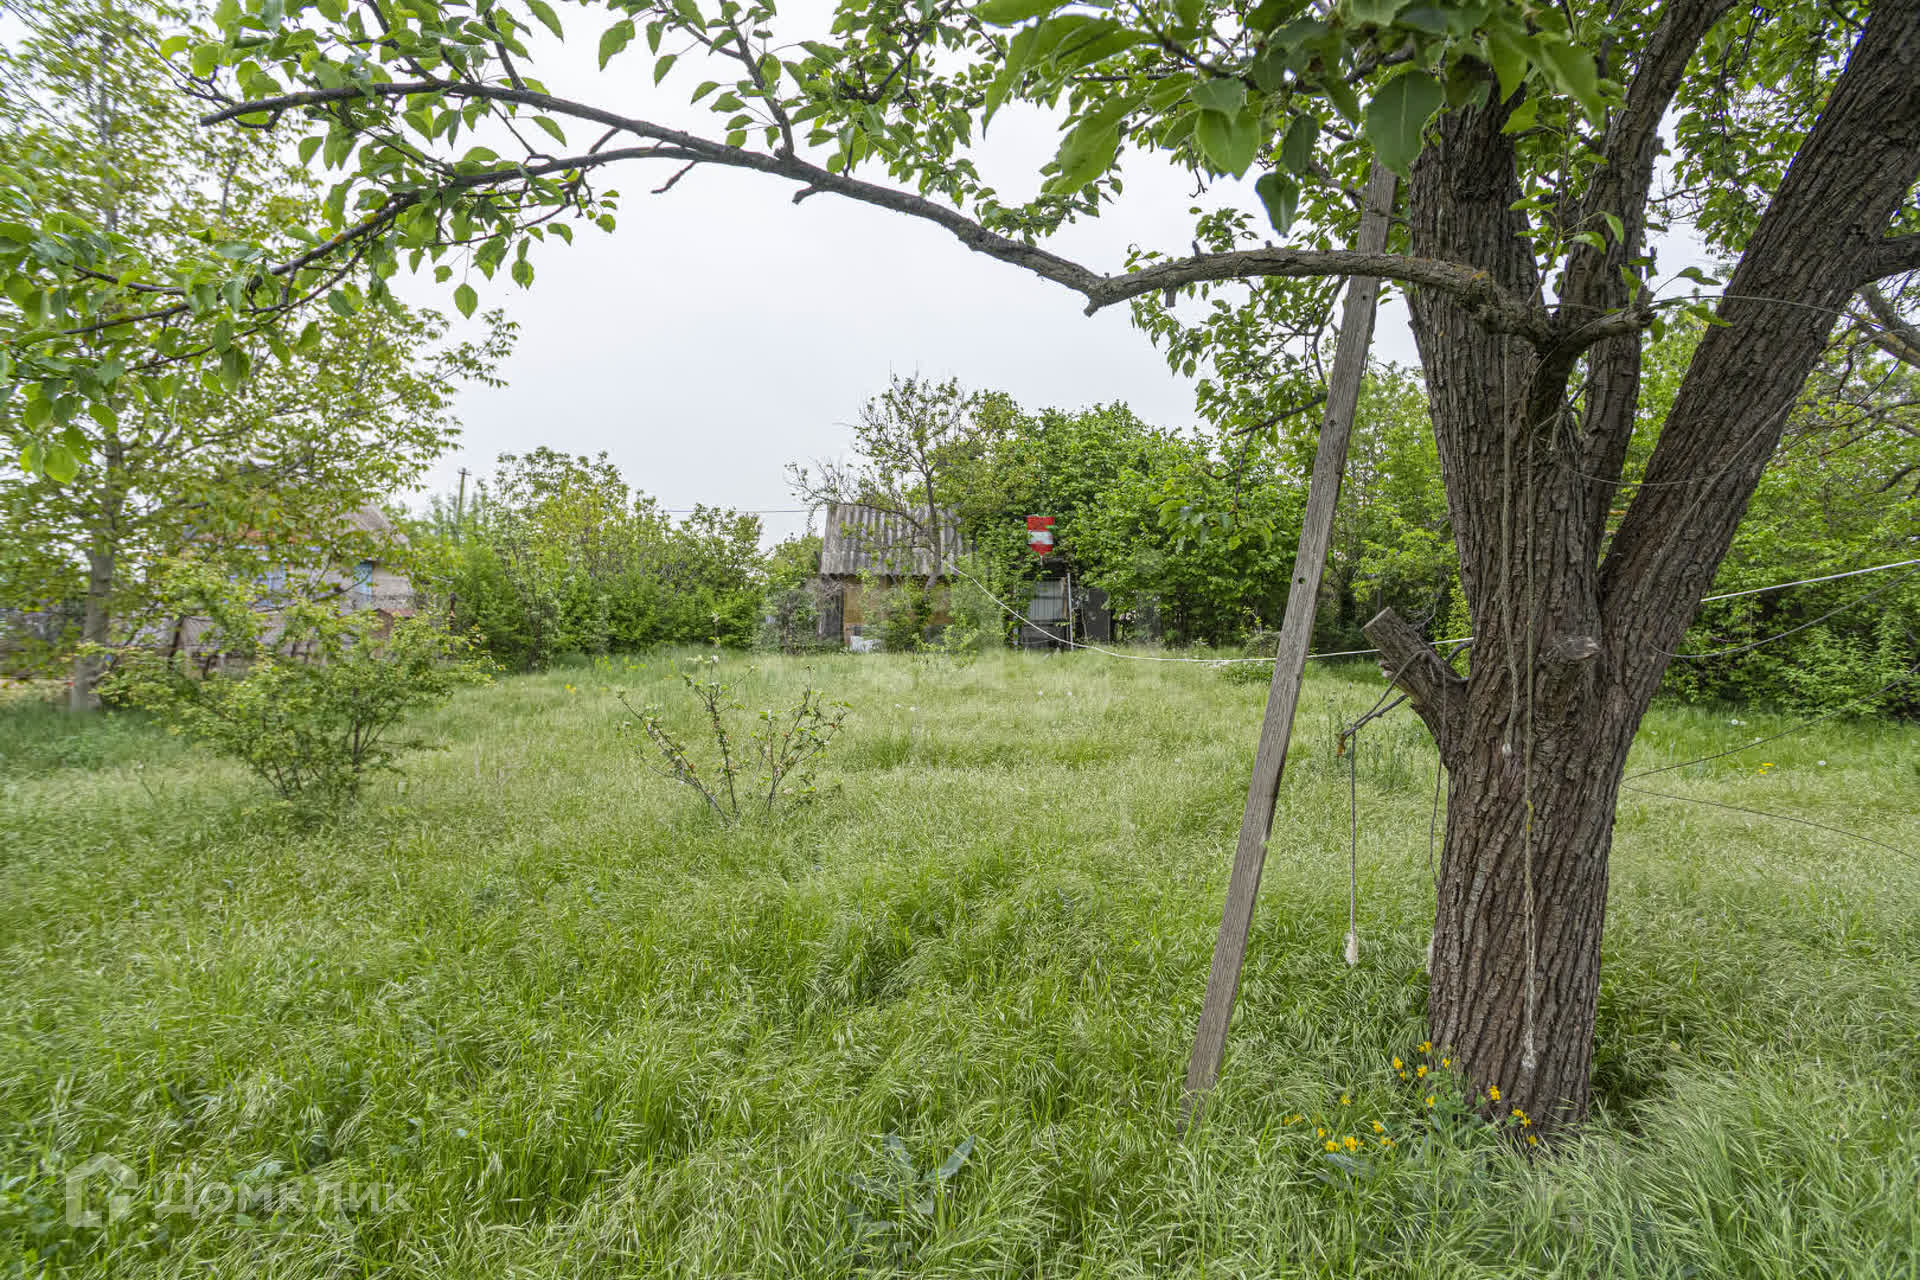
{"points": [[1296, 634]]}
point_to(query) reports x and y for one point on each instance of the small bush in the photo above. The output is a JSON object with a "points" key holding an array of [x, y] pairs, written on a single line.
{"points": [[311, 726], [778, 769]]}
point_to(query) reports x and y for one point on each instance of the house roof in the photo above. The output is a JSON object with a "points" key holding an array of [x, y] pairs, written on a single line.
{"points": [[373, 520], [861, 539]]}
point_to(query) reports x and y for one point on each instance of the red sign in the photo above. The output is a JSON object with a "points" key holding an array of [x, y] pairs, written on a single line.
{"points": [[1040, 534]]}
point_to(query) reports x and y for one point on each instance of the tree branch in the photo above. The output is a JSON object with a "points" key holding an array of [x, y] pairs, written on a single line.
{"points": [[1892, 334], [1896, 255], [1435, 692], [1593, 282], [1848, 180], [1478, 293]]}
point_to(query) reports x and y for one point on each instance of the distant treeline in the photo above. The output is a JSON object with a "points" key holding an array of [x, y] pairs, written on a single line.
{"points": [[1191, 532]]}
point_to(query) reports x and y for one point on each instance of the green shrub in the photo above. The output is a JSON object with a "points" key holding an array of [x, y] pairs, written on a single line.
{"points": [[904, 612], [786, 746], [307, 697]]}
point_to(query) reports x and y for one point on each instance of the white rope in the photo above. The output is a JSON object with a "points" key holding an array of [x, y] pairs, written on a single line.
{"points": [[1353, 850], [1734, 595], [1361, 653]]}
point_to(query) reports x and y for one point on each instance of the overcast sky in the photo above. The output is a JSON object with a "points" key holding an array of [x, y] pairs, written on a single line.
{"points": [[722, 331]]}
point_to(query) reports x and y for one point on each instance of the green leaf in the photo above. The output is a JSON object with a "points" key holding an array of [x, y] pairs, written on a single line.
{"points": [[309, 145], [1509, 56], [1523, 117], [548, 18], [61, 464], [466, 299], [553, 129], [1220, 94], [1296, 149], [1379, 12], [1228, 142], [1281, 195], [1397, 117], [1343, 98], [662, 66], [1011, 13], [1086, 153], [233, 368], [206, 57], [1573, 72], [614, 39]]}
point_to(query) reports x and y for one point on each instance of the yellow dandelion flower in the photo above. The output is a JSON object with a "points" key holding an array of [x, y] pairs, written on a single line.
{"points": [[1350, 1142], [1429, 1100], [1346, 1100], [1397, 1064], [1521, 1116], [1493, 1092], [1533, 1139], [1446, 1062], [1403, 1075], [1426, 1046], [1421, 1071], [1332, 1145], [1386, 1142], [1378, 1127], [1319, 1133]]}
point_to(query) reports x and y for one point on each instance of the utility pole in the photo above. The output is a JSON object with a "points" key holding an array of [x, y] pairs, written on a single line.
{"points": [[1296, 634]]}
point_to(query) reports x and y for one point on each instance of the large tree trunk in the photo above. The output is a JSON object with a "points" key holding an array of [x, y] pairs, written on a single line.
{"points": [[1573, 632]]}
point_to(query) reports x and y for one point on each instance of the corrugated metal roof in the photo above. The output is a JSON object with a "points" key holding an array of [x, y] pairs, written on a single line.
{"points": [[861, 539]]}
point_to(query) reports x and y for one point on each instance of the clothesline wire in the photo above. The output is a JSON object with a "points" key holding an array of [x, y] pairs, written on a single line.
{"points": [[1359, 653]]}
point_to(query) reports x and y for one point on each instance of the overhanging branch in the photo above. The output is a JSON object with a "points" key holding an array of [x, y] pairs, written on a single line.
{"points": [[1484, 299]]}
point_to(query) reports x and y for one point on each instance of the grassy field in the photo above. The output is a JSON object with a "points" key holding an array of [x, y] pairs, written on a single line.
{"points": [[530, 1012]]}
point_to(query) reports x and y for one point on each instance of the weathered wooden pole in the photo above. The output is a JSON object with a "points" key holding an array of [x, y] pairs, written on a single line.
{"points": [[1296, 635]]}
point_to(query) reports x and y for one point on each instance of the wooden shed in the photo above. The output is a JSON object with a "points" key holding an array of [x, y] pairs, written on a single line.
{"points": [[866, 548]]}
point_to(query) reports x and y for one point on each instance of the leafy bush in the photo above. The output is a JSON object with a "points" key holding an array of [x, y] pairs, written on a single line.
{"points": [[307, 697], [901, 614], [787, 745]]}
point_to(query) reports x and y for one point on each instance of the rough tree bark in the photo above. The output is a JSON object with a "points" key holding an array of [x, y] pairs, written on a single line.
{"points": [[1573, 632]]}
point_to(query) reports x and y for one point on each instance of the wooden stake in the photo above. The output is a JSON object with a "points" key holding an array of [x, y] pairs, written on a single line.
{"points": [[1296, 634]]}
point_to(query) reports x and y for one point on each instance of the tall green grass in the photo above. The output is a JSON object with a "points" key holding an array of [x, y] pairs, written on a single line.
{"points": [[533, 991]]}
